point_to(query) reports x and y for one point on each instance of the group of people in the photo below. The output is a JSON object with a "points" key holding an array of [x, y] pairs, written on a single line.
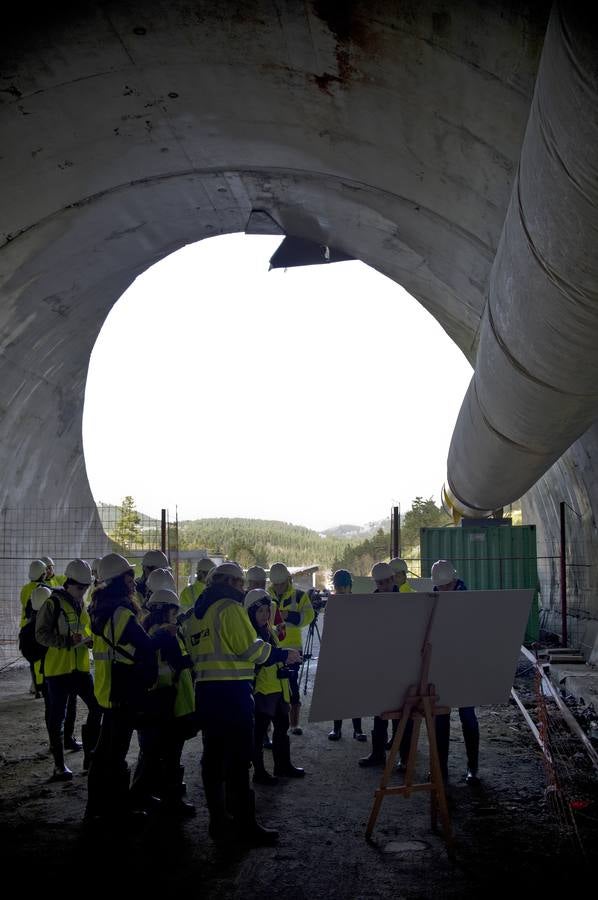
{"points": [[392, 577], [223, 658]]}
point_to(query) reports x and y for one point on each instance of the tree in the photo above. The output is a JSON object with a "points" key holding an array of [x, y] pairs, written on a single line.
{"points": [[127, 531], [423, 514]]}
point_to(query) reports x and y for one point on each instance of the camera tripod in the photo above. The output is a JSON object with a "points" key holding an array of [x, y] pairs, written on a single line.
{"points": [[308, 651]]}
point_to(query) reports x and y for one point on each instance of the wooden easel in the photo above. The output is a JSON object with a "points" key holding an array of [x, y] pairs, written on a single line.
{"points": [[420, 705]]}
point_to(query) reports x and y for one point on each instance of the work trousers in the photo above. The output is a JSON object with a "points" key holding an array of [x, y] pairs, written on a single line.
{"points": [[294, 683], [226, 716], [471, 737], [70, 714], [380, 736], [157, 770], [108, 780], [64, 690]]}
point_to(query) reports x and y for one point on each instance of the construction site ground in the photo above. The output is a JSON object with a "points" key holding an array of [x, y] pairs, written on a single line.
{"points": [[514, 832]]}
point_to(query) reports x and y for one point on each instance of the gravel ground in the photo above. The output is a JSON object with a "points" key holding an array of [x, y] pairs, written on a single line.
{"points": [[506, 831]]}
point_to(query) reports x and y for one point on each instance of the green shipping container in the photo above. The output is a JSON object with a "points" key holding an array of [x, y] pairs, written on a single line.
{"points": [[490, 558]]}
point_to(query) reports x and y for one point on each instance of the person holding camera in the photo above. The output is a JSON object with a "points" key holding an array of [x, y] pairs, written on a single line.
{"points": [[297, 612], [271, 694], [343, 584]]}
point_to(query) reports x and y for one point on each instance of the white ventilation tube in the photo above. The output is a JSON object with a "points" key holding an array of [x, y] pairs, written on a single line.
{"points": [[535, 386]]}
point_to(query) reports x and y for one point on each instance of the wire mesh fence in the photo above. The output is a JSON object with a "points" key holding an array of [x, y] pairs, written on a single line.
{"points": [[65, 534]]}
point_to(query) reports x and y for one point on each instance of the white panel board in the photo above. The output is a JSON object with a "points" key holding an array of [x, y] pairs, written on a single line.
{"points": [[370, 651], [420, 584]]}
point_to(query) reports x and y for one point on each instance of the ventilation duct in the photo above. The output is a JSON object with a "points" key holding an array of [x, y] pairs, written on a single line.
{"points": [[535, 386]]}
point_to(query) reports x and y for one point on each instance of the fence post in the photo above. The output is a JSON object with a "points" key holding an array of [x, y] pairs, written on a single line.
{"points": [[163, 532], [564, 638]]}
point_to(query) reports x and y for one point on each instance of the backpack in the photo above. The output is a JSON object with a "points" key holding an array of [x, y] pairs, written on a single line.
{"points": [[29, 646]]}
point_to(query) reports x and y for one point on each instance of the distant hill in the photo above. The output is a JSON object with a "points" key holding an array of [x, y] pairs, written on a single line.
{"points": [[355, 532], [262, 541]]}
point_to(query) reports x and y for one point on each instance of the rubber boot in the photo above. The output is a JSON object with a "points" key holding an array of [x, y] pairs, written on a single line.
{"points": [[70, 742], [61, 772], [89, 736], [294, 718], [249, 830], [174, 804], [336, 733], [378, 756], [260, 775], [358, 734], [281, 752], [221, 827], [182, 784], [471, 736]]}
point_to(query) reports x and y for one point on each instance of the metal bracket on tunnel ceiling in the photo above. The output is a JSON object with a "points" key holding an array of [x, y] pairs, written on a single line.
{"points": [[296, 251]]}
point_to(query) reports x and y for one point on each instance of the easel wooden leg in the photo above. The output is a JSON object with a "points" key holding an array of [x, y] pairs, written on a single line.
{"points": [[388, 770], [438, 802]]}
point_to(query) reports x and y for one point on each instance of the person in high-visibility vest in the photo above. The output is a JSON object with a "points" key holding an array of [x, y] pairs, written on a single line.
{"points": [[272, 696], [52, 579], [125, 667], [297, 612], [194, 590], [384, 576], [152, 559], [400, 569], [63, 626], [225, 649], [169, 718], [37, 576], [255, 578]]}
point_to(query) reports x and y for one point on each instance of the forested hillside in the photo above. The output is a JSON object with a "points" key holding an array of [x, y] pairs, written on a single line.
{"points": [[260, 541]]}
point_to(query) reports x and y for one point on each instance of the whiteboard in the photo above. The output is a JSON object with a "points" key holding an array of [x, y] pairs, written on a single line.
{"points": [[371, 643]]}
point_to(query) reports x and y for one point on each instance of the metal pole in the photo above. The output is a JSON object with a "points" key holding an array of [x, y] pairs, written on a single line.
{"points": [[563, 578], [396, 540], [163, 532]]}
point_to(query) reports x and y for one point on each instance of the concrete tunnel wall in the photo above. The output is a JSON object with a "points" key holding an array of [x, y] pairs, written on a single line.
{"points": [[390, 133]]}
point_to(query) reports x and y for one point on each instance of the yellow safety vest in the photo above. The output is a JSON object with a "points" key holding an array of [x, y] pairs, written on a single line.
{"points": [[407, 589], [289, 603], [190, 594], [223, 644], [64, 660], [104, 654], [184, 702], [267, 680], [26, 592]]}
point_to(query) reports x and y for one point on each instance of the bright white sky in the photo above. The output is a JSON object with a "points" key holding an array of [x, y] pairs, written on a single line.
{"points": [[321, 395]]}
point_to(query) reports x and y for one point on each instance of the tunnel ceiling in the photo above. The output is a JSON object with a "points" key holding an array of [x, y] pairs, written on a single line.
{"points": [[389, 131]]}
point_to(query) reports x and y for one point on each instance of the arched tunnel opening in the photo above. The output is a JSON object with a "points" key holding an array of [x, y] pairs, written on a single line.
{"points": [[290, 362], [451, 150]]}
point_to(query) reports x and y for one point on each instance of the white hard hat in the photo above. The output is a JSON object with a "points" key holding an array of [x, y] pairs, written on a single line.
{"points": [[228, 569], [204, 565], [79, 570], [398, 565], [162, 597], [39, 596], [37, 568], [161, 579], [279, 573], [257, 597], [154, 559], [381, 571], [112, 565], [443, 572], [256, 573], [47, 560]]}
